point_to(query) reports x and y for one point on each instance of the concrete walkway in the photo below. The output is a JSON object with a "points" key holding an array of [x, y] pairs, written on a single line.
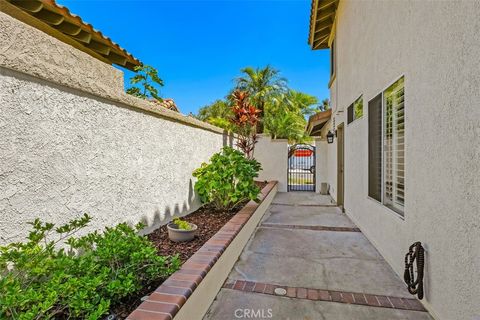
{"points": [[328, 269]]}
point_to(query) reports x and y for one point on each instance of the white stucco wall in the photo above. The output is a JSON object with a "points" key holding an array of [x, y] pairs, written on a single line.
{"points": [[65, 153], [321, 163], [73, 142], [436, 46], [273, 155]]}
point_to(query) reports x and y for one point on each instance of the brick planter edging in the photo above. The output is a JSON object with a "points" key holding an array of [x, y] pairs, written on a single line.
{"points": [[313, 228], [165, 302]]}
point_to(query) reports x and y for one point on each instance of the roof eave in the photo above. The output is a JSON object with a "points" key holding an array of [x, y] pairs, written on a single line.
{"points": [[69, 25], [322, 16], [317, 121]]}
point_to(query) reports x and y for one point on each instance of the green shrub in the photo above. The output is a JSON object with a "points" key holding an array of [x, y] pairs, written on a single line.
{"points": [[228, 179], [40, 281]]}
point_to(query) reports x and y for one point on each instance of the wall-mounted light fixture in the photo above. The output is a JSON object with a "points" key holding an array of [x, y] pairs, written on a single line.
{"points": [[330, 136]]}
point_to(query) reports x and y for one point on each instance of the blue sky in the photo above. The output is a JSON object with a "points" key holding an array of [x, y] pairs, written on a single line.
{"points": [[199, 47]]}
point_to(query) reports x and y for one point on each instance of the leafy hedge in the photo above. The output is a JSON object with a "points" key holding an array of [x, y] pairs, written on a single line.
{"points": [[228, 179], [40, 281]]}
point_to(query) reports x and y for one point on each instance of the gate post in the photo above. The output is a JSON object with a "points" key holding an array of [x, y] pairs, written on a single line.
{"points": [[273, 156]]}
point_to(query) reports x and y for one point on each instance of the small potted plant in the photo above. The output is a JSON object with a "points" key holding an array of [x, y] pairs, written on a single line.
{"points": [[180, 230]]}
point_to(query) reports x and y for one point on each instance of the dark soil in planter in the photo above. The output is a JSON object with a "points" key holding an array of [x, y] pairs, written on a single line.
{"points": [[208, 220]]}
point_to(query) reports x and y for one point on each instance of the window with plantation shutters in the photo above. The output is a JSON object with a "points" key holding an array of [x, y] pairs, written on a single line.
{"points": [[394, 147], [386, 147]]}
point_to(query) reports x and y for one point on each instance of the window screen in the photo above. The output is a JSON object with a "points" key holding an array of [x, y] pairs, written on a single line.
{"points": [[375, 148]]}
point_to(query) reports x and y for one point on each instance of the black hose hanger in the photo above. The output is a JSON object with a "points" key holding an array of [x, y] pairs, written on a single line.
{"points": [[415, 253]]}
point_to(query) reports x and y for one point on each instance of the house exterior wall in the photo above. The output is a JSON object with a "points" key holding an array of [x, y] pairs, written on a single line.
{"points": [[272, 155], [436, 47], [73, 142]]}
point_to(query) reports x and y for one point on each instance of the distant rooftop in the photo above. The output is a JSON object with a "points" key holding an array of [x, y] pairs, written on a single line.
{"points": [[47, 15], [317, 121]]}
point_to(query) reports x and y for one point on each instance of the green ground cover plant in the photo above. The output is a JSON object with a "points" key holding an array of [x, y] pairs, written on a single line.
{"points": [[182, 224], [228, 179], [76, 277]]}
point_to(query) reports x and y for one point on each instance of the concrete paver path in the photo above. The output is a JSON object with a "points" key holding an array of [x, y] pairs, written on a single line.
{"points": [[329, 270]]}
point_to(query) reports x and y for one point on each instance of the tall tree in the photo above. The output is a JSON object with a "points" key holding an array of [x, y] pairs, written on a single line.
{"points": [[285, 118], [325, 105], [263, 85], [302, 102], [283, 123], [218, 114], [218, 109]]}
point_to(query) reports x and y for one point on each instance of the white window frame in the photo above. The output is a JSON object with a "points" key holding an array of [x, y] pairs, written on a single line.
{"points": [[400, 211]]}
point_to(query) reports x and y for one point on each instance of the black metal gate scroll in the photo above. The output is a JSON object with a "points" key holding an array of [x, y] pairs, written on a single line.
{"points": [[301, 168]]}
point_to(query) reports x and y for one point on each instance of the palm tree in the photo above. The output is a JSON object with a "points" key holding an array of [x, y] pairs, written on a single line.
{"points": [[282, 123], [263, 86], [285, 117], [302, 102], [325, 105]]}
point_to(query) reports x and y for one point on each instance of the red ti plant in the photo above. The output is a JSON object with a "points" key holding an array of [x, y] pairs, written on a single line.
{"points": [[245, 119]]}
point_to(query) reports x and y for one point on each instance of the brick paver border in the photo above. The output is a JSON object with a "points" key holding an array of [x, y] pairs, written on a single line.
{"points": [[370, 300], [305, 205], [315, 228], [169, 297]]}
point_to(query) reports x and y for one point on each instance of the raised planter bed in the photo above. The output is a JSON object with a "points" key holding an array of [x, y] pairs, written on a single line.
{"points": [[188, 293]]}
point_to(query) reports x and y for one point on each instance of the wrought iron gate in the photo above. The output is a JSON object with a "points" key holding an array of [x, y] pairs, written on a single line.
{"points": [[301, 168]]}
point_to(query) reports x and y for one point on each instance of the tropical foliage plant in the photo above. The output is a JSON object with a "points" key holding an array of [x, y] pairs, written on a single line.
{"points": [[245, 119], [282, 123], [263, 85], [218, 113], [228, 179], [283, 111], [83, 278], [145, 83]]}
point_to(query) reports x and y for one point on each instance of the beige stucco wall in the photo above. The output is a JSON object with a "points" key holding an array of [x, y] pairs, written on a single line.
{"points": [[436, 46], [272, 155], [72, 142]]}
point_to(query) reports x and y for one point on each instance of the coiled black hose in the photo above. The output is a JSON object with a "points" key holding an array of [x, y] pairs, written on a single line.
{"points": [[415, 253]]}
